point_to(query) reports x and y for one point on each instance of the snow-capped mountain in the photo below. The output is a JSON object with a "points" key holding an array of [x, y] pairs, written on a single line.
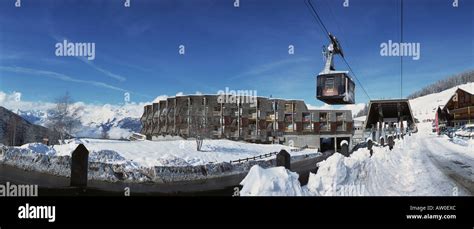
{"points": [[33, 116], [117, 121]]}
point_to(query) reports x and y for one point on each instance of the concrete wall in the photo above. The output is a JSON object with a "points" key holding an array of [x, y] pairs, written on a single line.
{"points": [[312, 141]]}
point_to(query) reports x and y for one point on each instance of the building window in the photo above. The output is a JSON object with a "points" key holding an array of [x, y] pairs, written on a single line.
{"points": [[323, 117], [324, 126], [306, 117], [341, 127], [330, 83]]}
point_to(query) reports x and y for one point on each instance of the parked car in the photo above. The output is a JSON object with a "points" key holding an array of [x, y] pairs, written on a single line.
{"points": [[449, 131], [467, 131]]}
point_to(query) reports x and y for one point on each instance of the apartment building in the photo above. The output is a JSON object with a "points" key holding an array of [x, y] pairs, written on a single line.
{"points": [[267, 120]]}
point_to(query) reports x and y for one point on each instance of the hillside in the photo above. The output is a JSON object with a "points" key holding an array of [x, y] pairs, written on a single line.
{"points": [[14, 130], [424, 107], [444, 84]]}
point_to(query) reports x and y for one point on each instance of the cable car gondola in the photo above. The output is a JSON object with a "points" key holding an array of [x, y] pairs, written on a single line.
{"points": [[334, 87]]}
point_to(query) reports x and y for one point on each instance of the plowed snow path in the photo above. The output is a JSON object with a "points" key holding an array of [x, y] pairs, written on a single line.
{"points": [[452, 159]]}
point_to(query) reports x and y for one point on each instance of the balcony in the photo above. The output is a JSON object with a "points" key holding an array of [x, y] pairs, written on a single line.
{"points": [[341, 127], [289, 128], [270, 117], [216, 132], [340, 117], [306, 117], [324, 127], [253, 115]]}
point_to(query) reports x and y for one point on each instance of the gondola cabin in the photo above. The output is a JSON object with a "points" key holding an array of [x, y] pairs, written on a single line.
{"points": [[335, 88]]}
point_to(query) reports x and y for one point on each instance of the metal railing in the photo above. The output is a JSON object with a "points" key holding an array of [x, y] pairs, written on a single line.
{"points": [[262, 156]]}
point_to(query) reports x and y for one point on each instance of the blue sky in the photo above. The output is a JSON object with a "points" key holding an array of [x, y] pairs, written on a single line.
{"points": [[240, 48]]}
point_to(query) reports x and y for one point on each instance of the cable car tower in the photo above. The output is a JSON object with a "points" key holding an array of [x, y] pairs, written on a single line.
{"points": [[334, 87]]}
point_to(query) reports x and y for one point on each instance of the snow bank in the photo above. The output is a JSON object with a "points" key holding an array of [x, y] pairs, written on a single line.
{"points": [[146, 161], [462, 141], [407, 170], [39, 148], [339, 175], [107, 156], [276, 181], [176, 152]]}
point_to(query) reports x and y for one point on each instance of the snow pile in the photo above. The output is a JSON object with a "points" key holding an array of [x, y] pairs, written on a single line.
{"points": [[407, 170], [339, 175], [107, 156], [39, 148], [461, 141], [46, 160], [276, 181]]}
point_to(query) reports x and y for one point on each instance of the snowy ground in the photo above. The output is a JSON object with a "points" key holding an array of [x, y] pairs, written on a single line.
{"points": [[171, 153], [420, 165], [143, 161]]}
